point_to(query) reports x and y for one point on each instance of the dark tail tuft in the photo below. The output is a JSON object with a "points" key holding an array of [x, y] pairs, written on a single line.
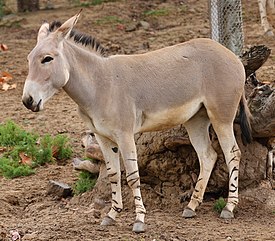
{"points": [[245, 122]]}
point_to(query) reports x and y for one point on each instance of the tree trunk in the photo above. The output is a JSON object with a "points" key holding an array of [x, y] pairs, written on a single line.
{"points": [[27, 5], [262, 107]]}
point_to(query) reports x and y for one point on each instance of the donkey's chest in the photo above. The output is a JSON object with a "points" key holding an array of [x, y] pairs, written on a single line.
{"points": [[168, 118]]}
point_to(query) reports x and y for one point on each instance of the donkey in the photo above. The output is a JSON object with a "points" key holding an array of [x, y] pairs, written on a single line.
{"points": [[193, 83]]}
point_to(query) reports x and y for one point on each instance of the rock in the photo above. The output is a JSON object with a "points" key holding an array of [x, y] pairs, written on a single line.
{"points": [[86, 165], [131, 27], [59, 190], [11, 20], [92, 149], [144, 24], [30, 236]]}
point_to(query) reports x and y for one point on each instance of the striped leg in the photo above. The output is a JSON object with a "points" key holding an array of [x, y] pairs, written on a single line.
{"points": [[264, 21], [127, 149], [271, 5], [232, 156], [111, 156], [198, 131]]}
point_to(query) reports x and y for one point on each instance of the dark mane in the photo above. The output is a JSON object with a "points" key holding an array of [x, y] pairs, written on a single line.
{"points": [[54, 25], [81, 38]]}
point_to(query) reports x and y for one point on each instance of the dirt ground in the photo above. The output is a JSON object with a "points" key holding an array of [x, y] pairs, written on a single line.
{"points": [[24, 205]]}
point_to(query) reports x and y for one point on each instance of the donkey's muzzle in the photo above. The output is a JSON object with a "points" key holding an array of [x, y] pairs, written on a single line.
{"points": [[30, 104]]}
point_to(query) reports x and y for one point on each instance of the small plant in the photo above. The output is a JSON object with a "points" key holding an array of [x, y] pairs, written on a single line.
{"points": [[22, 151], [86, 181], [219, 204]]}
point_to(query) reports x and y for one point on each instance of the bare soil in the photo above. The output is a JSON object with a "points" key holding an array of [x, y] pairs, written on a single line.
{"points": [[24, 203]]}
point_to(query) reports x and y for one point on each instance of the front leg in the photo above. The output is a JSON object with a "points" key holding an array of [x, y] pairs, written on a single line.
{"points": [[127, 149], [111, 157]]}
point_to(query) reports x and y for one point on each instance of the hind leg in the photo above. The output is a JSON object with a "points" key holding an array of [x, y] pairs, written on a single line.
{"points": [[232, 156], [198, 130]]}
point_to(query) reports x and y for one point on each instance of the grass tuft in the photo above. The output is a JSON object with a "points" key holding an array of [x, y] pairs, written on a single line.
{"points": [[22, 151], [89, 3], [86, 181], [2, 4], [109, 20], [11, 169], [157, 12], [219, 204]]}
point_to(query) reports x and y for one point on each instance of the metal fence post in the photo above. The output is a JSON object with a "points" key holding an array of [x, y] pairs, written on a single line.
{"points": [[226, 23]]}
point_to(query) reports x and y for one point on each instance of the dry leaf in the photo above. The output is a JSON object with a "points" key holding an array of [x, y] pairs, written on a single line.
{"points": [[55, 150], [3, 148], [120, 27], [25, 159], [6, 86], [5, 77], [3, 47]]}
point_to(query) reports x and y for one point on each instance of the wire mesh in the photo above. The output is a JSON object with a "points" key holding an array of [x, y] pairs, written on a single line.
{"points": [[226, 23]]}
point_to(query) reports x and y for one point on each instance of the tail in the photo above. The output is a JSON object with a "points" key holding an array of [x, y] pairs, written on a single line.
{"points": [[245, 116]]}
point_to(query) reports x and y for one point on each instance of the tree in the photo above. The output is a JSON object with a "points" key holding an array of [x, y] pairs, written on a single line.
{"points": [[27, 5]]}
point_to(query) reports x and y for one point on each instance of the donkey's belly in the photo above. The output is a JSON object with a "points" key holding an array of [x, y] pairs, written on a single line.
{"points": [[168, 118]]}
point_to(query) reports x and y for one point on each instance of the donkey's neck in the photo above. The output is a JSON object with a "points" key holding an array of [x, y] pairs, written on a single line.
{"points": [[86, 75]]}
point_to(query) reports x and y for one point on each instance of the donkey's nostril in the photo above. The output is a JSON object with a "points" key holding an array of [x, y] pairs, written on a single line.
{"points": [[28, 102]]}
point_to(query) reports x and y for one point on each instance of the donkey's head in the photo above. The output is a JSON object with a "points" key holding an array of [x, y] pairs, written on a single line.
{"points": [[48, 68]]}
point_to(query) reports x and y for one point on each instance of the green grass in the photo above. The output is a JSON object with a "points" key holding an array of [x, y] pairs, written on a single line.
{"points": [[2, 4], [157, 12], [219, 204], [79, 3], [86, 181], [15, 142], [109, 20], [11, 169]]}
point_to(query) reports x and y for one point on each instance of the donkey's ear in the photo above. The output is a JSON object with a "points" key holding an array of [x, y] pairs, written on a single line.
{"points": [[65, 29], [43, 31]]}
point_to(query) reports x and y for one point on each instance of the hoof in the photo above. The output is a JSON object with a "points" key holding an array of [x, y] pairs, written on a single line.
{"points": [[139, 227], [269, 33], [226, 214], [188, 213], [107, 221]]}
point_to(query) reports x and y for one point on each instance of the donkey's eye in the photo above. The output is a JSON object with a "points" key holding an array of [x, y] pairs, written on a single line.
{"points": [[46, 59]]}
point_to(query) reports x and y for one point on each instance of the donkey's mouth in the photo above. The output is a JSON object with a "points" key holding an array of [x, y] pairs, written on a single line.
{"points": [[29, 103], [36, 108]]}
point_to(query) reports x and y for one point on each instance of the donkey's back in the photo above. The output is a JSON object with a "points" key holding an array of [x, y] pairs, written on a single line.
{"points": [[169, 85]]}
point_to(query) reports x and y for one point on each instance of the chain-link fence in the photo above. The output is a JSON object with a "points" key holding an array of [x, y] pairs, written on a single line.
{"points": [[226, 23]]}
